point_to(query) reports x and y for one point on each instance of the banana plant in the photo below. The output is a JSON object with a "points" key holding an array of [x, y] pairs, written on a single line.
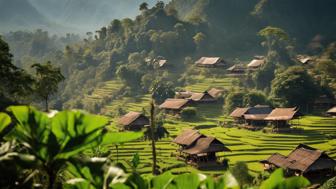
{"points": [[5, 121], [53, 141]]}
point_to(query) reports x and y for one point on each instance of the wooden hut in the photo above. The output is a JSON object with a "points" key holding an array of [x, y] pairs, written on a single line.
{"points": [[203, 153], [211, 62], [332, 111], [280, 117], [204, 97], [216, 93], [256, 63], [197, 149], [133, 121], [303, 160], [187, 138], [237, 69], [174, 106], [255, 116], [252, 116], [238, 114]]}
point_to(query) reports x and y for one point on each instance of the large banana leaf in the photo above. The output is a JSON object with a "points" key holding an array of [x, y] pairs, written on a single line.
{"points": [[5, 120], [76, 131], [32, 129]]}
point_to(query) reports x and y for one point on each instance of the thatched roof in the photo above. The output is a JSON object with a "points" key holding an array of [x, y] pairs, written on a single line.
{"points": [[239, 112], [197, 96], [253, 113], [260, 109], [216, 93], [183, 94], [236, 68], [332, 110], [200, 96], [161, 63], [303, 158], [282, 114], [255, 63], [209, 61], [206, 145], [174, 104], [188, 137], [130, 118], [256, 117], [304, 59]]}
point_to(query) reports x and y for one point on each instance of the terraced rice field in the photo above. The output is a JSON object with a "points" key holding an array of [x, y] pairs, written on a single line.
{"points": [[106, 90], [248, 146], [203, 83]]}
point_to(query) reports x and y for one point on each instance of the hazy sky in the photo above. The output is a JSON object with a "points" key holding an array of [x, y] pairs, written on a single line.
{"points": [[65, 15]]}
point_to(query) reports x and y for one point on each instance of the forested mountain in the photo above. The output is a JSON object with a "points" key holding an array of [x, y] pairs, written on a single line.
{"points": [[180, 31], [237, 21]]}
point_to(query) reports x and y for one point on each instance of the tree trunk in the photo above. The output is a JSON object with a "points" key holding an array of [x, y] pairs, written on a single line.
{"points": [[51, 179], [152, 128], [46, 104]]}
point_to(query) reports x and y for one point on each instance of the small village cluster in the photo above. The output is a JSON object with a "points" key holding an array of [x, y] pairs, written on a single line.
{"points": [[200, 150]]}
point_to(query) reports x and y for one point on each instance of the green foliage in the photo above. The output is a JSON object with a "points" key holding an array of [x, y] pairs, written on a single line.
{"points": [[278, 181], [135, 161], [48, 78], [15, 82], [163, 90], [199, 40], [241, 173], [233, 100], [263, 77], [188, 113], [329, 184], [253, 98], [5, 120], [130, 76], [53, 145], [290, 85]]}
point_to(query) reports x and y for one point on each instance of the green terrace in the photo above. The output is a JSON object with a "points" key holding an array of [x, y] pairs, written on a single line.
{"points": [[247, 146]]}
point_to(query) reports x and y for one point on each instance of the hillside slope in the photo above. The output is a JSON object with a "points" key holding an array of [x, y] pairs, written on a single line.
{"points": [[238, 21]]}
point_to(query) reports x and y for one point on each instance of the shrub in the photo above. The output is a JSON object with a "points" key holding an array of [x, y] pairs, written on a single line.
{"points": [[331, 183], [188, 113], [240, 172]]}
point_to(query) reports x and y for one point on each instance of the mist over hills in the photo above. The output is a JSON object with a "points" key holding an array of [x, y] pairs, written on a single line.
{"points": [[20, 14], [61, 16]]}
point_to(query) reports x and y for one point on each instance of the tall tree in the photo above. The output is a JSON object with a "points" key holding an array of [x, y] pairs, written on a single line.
{"points": [[294, 87], [47, 79], [152, 128], [15, 82], [162, 91]]}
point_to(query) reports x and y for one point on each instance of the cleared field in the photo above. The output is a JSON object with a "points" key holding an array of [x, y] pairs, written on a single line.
{"points": [[248, 146]]}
